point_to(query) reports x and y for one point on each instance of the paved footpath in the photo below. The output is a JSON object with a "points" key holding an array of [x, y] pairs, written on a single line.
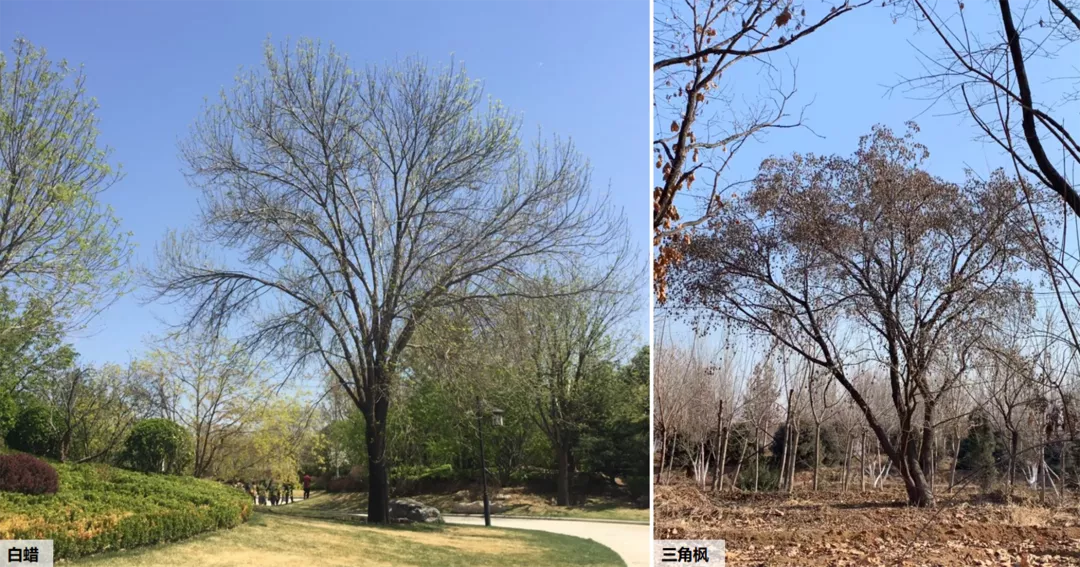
{"points": [[630, 541]]}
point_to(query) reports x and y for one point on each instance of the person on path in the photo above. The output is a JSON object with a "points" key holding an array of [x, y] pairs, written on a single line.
{"points": [[288, 491], [307, 486], [260, 491], [275, 493]]}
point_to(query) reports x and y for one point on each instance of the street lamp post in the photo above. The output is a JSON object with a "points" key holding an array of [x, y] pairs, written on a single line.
{"points": [[497, 420]]}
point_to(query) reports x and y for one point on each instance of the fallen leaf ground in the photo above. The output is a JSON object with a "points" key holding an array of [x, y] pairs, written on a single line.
{"points": [[874, 528]]}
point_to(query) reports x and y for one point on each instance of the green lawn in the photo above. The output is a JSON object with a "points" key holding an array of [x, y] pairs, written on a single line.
{"points": [[273, 540], [518, 505]]}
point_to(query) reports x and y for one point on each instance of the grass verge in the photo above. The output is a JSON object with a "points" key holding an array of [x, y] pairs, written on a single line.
{"points": [[275, 540]]}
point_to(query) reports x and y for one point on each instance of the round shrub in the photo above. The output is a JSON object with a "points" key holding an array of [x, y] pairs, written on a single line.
{"points": [[27, 474], [158, 445], [34, 431]]}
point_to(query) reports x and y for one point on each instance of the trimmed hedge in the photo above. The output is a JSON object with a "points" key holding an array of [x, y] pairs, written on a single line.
{"points": [[27, 474], [100, 508]]}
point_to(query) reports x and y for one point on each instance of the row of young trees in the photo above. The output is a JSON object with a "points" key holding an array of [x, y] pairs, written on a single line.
{"points": [[729, 428]]}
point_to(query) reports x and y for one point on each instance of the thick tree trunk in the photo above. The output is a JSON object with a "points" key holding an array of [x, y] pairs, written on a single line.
{"points": [[562, 495], [378, 472], [918, 489], [926, 448]]}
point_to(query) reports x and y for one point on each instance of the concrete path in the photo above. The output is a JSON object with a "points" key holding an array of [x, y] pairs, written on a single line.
{"points": [[630, 541]]}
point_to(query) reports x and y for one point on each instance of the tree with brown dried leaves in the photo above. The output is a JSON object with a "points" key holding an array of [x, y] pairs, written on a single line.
{"points": [[700, 46], [825, 249]]}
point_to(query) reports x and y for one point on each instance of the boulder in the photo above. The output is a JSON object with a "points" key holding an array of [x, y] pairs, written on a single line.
{"points": [[409, 510]]}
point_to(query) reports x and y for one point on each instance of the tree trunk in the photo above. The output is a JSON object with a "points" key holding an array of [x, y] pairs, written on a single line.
{"points": [[719, 442], [880, 483], [784, 455], [794, 461], [65, 445], [933, 464], [918, 490], [955, 457], [562, 495], [671, 455], [738, 467], [1014, 443], [757, 460], [663, 454], [817, 453], [718, 480], [378, 473], [787, 442], [847, 462], [862, 462], [1064, 459]]}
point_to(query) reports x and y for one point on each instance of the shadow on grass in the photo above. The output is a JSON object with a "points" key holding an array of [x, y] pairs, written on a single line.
{"points": [[347, 518]]}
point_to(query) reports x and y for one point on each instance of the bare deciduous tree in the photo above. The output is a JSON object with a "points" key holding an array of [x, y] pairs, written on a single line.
{"points": [[355, 203]]}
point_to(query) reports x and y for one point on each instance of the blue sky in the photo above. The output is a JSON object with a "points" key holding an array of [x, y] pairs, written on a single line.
{"points": [[844, 73], [576, 69]]}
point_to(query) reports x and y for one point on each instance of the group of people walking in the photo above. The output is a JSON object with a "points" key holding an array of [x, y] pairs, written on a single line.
{"points": [[273, 493]]}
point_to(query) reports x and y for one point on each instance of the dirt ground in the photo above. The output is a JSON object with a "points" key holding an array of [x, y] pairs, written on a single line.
{"points": [[873, 529]]}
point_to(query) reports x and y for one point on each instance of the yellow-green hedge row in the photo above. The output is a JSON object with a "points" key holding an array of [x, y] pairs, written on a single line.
{"points": [[100, 508]]}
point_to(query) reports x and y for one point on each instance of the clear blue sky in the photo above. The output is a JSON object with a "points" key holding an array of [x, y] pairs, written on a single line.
{"points": [[577, 69], [844, 74]]}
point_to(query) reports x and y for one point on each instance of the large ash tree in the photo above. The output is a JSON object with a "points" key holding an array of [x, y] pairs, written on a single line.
{"points": [[845, 259], [352, 205]]}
